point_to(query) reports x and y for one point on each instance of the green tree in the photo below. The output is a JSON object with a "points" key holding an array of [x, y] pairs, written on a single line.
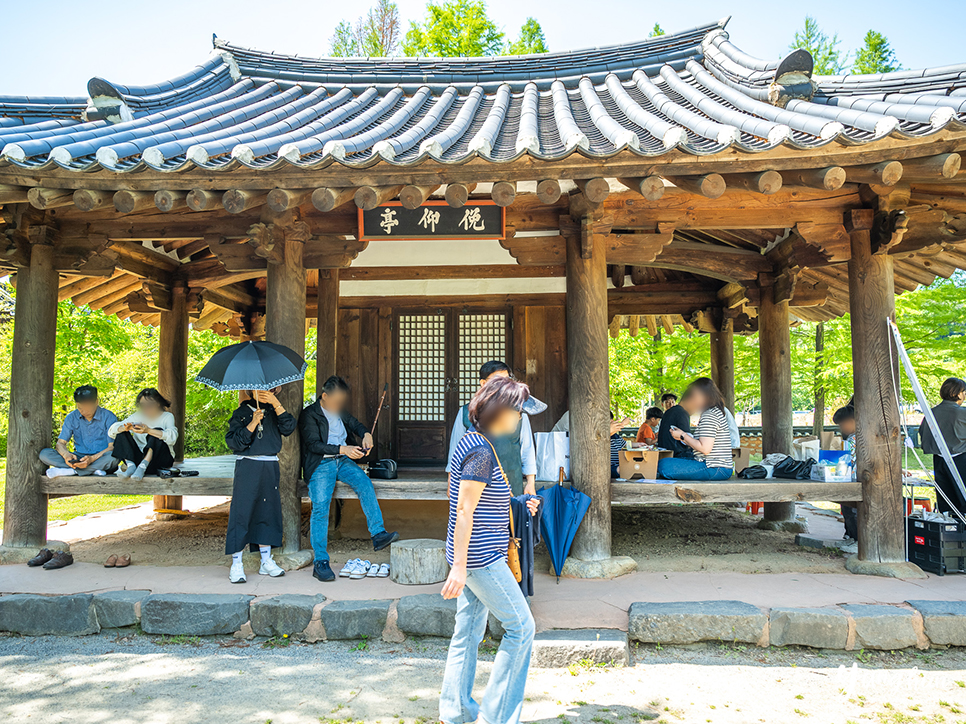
{"points": [[531, 40], [657, 31], [828, 58], [456, 28], [375, 34], [876, 55]]}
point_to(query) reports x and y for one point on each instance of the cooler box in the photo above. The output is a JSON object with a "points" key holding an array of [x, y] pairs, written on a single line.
{"points": [[937, 546], [640, 464]]}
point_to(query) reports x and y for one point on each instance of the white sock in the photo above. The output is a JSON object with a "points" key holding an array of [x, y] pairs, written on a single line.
{"points": [[266, 552], [237, 557], [144, 464]]}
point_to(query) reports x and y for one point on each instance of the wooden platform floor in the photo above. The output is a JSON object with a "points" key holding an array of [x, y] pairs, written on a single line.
{"points": [[430, 484]]}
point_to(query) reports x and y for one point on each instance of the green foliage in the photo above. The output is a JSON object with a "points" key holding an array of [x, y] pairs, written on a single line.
{"points": [[456, 28], [375, 34], [657, 31], [824, 48], [876, 55], [531, 40]]}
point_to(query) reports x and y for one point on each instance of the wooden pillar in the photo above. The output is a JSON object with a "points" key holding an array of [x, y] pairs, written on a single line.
{"points": [[327, 330], [875, 369], [589, 381], [285, 324], [723, 361], [774, 345], [31, 399], [818, 416], [173, 374]]}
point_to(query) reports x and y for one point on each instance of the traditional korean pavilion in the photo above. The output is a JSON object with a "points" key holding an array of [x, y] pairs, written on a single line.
{"points": [[427, 214]]}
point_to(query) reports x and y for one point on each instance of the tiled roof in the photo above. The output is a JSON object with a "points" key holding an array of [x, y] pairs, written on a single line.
{"points": [[693, 91]]}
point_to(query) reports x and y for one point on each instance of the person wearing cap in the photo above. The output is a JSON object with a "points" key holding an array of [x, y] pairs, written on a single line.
{"points": [[87, 427], [516, 451]]}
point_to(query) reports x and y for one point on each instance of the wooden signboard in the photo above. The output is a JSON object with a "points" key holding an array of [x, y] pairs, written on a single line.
{"points": [[433, 220]]}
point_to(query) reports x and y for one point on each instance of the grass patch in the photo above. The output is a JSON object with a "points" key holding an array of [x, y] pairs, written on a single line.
{"points": [[179, 640]]}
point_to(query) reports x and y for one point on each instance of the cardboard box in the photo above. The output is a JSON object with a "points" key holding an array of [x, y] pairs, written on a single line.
{"points": [[830, 440], [741, 456], [640, 464]]}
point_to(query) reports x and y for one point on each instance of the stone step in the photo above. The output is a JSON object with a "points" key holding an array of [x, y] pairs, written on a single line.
{"points": [[563, 647]]}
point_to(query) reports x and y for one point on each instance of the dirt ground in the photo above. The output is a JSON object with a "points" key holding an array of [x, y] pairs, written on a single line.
{"points": [[671, 538]]}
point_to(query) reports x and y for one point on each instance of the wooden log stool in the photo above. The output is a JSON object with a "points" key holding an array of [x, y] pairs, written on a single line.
{"points": [[419, 561]]}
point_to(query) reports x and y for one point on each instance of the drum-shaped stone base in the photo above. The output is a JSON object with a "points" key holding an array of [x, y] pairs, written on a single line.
{"points": [[419, 561]]}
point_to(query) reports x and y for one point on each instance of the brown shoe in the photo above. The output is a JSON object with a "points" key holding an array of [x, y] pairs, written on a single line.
{"points": [[123, 561], [42, 557], [61, 559], [111, 562]]}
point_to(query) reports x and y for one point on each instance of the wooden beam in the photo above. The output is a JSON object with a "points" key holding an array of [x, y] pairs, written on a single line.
{"points": [[127, 202], [829, 178], [236, 201], [77, 286], [118, 281], [90, 199], [548, 191], [483, 271], [203, 199], [280, 200], [886, 173], [943, 167], [43, 199], [457, 195], [766, 182], [12, 194], [809, 295], [718, 262], [327, 326], [412, 196], [596, 190], [617, 274], [503, 193], [650, 322], [831, 239], [105, 297], [192, 248], [169, 201], [710, 185], [650, 187], [369, 197], [640, 301], [158, 295], [636, 249], [733, 296], [633, 324], [327, 198], [230, 297]]}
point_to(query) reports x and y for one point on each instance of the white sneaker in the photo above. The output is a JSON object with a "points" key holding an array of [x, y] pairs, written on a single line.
{"points": [[383, 571], [373, 571], [361, 569], [60, 472], [348, 568], [270, 568], [237, 572], [100, 473]]}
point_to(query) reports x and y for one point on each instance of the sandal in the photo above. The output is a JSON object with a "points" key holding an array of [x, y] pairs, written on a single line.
{"points": [[123, 561], [111, 562]]}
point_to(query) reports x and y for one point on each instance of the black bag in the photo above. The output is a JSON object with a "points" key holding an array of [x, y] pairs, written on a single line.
{"points": [[791, 469], [176, 473], [753, 472], [383, 470]]}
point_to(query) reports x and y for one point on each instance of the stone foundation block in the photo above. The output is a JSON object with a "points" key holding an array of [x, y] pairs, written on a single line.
{"points": [[116, 609], [559, 647], [944, 621], [283, 615], [886, 628], [687, 622], [190, 614], [33, 615], [819, 628], [355, 619], [427, 614]]}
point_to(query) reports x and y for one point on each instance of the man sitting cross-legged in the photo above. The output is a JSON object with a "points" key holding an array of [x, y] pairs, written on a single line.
{"points": [[87, 425], [324, 427]]}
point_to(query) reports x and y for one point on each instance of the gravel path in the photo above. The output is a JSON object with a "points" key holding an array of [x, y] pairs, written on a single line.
{"points": [[163, 681]]}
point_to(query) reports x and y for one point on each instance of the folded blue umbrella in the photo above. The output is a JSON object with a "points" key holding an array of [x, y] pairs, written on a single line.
{"points": [[563, 511]]}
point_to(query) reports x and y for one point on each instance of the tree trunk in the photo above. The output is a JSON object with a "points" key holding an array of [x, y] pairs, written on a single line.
{"points": [[589, 389], [173, 375], [285, 324], [723, 362], [327, 330], [31, 399], [818, 417]]}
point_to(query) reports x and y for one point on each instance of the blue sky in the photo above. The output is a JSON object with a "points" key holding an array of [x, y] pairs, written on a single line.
{"points": [[52, 47]]}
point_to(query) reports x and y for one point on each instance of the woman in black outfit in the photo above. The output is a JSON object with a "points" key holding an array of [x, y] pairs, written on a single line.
{"points": [[255, 518], [951, 417]]}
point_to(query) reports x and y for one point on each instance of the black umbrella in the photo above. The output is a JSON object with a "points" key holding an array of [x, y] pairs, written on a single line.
{"points": [[252, 366]]}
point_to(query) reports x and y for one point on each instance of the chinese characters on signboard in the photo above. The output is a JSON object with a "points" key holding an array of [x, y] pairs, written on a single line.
{"points": [[434, 220]]}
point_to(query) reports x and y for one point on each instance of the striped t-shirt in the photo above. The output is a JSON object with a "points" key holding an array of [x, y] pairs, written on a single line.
{"points": [[714, 424], [473, 459], [617, 443]]}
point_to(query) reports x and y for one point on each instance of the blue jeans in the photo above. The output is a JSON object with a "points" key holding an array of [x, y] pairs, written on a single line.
{"points": [[685, 469], [488, 589], [321, 488]]}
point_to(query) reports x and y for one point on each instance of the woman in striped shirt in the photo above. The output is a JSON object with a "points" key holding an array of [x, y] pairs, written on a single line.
{"points": [[476, 547], [711, 440]]}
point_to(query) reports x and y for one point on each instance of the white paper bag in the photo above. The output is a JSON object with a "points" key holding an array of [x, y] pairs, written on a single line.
{"points": [[553, 453], [804, 448]]}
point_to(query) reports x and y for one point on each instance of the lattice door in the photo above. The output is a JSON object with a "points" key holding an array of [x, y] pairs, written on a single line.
{"points": [[482, 337], [422, 367]]}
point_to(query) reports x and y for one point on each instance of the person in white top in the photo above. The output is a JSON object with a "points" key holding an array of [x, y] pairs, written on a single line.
{"points": [[145, 440]]}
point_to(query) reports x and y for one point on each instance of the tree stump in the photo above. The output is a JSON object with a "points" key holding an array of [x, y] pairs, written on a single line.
{"points": [[419, 561]]}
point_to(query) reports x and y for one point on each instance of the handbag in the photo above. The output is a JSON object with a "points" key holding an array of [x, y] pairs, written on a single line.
{"points": [[513, 547], [383, 470]]}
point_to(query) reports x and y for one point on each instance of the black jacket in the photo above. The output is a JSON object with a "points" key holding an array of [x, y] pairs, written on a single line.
{"points": [[314, 436], [679, 418]]}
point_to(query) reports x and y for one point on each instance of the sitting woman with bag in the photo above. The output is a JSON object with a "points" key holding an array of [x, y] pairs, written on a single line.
{"points": [[477, 542], [145, 440], [711, 440]]}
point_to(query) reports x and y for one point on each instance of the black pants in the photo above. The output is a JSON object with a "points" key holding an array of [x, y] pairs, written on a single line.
{"points": [[126, 448], [851, 515], [946, 483]]}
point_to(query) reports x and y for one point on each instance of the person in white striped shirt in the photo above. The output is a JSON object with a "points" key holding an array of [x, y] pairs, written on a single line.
{"points": [[711, 440]]}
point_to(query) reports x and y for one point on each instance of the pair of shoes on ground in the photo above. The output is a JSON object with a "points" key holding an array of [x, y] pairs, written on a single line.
{"points": [[268, 567], [358, 568], [64, 472], [380, 541], [51, 560], [118, 561]]}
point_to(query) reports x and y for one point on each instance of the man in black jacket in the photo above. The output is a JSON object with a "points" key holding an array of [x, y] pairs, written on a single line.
{"points": [[680, 417], [327, 457]]}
